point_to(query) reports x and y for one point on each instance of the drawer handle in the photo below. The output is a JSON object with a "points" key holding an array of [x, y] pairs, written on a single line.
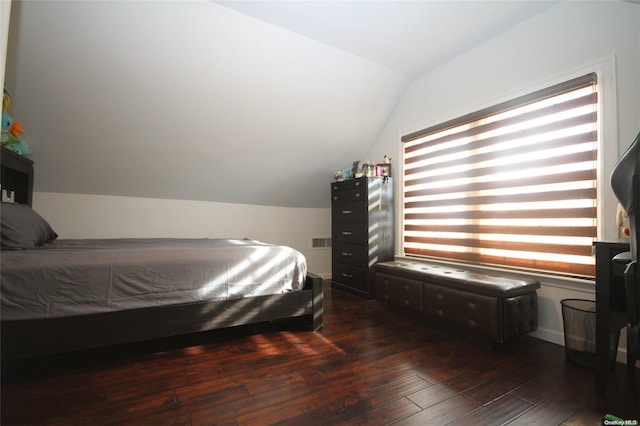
{"points": [[335, 187], [344, 274], [346, 253], [357, 183], [347, 211], [357, 195], [336, 197], [346, 232]]}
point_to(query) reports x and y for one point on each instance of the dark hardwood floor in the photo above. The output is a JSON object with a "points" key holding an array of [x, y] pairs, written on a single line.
{"points": [[370, 365]]}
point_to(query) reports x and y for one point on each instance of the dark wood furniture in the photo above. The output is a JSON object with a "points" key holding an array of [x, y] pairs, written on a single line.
{"points": [[27, 338], [488, 305], [610, 306], [362, 231], [17, 175]]}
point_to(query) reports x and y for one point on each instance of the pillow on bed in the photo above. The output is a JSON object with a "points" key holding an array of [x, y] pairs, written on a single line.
{"points": [[22, 227]]}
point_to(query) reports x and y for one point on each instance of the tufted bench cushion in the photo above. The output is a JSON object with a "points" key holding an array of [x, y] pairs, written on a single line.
{"points": [[498, 306]]}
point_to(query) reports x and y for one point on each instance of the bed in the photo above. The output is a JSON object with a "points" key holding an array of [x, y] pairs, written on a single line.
{"points": [[62, 295]]}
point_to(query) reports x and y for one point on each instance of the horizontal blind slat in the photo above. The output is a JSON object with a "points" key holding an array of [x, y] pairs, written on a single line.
{"points": [[531, 264], [578, 194], [575, 250], [557, 231], [577, 213], [487, 164], [548, 128], [545, 180]]}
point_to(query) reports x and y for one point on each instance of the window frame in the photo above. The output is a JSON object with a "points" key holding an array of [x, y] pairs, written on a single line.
{"points": [[605, 70]]}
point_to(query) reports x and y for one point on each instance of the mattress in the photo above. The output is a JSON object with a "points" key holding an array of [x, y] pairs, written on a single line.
{"points": [[78, 277]]}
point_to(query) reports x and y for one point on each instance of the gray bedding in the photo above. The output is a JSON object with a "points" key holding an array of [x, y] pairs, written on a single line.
{"points": [[76, 277]]}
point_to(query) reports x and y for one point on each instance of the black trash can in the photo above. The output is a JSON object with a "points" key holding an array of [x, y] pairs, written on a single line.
{"points": [[579, 321]]}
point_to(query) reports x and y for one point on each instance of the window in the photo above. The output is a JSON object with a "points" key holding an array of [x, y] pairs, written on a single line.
{"points": [[512, 185]]}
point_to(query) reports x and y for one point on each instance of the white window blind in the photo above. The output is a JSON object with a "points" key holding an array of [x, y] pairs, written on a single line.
{"points": [[512, 185]]}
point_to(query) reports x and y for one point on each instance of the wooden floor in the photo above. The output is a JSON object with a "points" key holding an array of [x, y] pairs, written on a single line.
{"points": [[370, 365]]}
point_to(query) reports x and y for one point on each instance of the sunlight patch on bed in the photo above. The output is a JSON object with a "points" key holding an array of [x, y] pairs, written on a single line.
{"points": [[251, 308], [212, 287], [255, 275]]}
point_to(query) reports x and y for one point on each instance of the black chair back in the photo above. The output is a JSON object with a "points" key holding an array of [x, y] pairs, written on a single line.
{"points": [[625, 183]]}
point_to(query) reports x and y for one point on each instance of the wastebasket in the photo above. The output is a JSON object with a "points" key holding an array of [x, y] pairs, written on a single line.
{"points": [[579, 321]]}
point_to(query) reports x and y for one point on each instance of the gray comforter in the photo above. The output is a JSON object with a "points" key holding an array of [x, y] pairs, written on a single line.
{"points": [[75, 277]]}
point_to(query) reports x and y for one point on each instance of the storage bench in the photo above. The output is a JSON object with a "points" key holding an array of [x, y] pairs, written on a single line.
{"points": [[498, 306]]}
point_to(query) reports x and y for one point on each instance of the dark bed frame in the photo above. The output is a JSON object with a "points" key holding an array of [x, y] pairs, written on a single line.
{"points": [[28, 338]]}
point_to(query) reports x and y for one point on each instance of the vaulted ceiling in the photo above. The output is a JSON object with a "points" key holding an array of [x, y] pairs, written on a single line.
{"points": [[243, 102], [410, 37]]}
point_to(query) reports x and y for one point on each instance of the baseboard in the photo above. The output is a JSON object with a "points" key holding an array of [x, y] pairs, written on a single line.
{"points": [[558, 338], [548, 335]]}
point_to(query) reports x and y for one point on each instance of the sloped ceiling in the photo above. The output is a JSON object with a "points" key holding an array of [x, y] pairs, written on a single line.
{"points": [[411, 37], [242, 102]]}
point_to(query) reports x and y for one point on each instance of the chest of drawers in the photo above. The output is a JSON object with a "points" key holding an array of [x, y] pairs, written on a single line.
{"points": [[362, 232]]}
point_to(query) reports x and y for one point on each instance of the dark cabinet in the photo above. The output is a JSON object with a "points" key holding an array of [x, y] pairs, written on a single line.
{"points": [[399, 291], [362, 231], [16, 175]]}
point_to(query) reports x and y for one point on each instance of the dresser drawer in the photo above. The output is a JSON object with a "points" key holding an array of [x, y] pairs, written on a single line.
{"points": [[351, 254], [339, 197], [401, 292], [348, 185], [354, 212], [351, 276], [350, 233]]}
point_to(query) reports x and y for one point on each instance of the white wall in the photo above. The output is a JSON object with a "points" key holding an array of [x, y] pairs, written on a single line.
{"points": [[564, 40], [180, 97], [5, 15], [102, 216]]}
